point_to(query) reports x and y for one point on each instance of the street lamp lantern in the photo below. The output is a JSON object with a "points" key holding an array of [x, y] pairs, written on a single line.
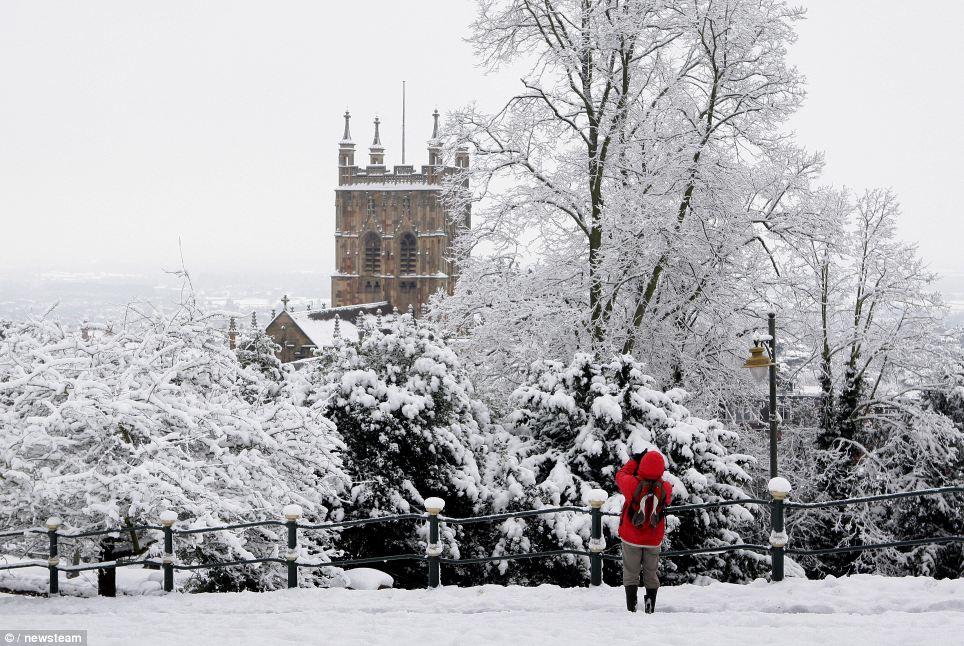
{"points": [[761, 366], [758, 363]]}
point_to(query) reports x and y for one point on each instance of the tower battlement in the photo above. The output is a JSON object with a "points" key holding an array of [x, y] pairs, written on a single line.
{"points": [[393, 234], [374, 177], [376, 172]]}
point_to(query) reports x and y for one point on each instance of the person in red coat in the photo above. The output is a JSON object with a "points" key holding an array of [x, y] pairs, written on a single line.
{"points": [[643, 525]]}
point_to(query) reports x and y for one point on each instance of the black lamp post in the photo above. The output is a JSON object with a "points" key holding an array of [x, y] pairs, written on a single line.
{"points": [[763, 363]]}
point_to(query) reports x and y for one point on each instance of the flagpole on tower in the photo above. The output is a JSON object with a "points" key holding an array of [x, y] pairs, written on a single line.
{"points": [[403, 123]]}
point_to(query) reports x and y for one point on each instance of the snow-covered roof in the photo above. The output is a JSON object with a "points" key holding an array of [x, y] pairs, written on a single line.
{"points": [[319, 325], [322, 331]]}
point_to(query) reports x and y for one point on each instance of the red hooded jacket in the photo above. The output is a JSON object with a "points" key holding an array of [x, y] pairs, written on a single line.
{"points": [[651, 467]]}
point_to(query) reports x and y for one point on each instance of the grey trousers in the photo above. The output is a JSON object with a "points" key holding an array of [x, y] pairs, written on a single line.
{"points": [[638, 559]]}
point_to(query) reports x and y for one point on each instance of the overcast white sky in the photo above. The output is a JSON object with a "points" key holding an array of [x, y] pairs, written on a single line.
{"points": [[125, 124]]}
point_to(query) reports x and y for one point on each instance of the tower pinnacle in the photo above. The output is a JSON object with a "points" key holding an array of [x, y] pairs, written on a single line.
{"points": [[346, 138], [377, 151], [346, 154], [434, 144], [377, 141]]}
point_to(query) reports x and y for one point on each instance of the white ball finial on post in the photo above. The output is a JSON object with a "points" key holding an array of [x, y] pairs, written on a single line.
{"points": [[779, 488], [597, 498], [292, 512]]}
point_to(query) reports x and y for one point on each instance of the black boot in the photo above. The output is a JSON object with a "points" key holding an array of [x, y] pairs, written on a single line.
{"points": [[649, 603], [631, 599]]}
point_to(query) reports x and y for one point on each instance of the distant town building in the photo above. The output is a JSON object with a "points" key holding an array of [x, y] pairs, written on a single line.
{"points": [[393, 236]]}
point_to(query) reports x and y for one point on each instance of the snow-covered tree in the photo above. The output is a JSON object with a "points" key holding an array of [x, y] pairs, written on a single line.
{"points": [[258, 351], [110, 430], [624, 195], [917, 448], [412, 429], [925, 450], [947, 397], [920, 446], [907, 443], [577, 424], [863, 302]]}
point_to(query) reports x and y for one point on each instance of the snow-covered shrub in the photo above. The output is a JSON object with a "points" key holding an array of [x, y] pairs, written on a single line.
{"points": [[412, 428], [918, 449], [912, 448], [577, 425], [257, 350], [948, 398], [110, 430], [925, 451]]}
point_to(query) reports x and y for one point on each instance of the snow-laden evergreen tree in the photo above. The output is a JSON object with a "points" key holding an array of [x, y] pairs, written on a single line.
{"points": [[919, 447], [903, 444], [412, 429], [924, 451], [915, 448], [948, 397], [577, 424], [944, 415], [110, 430], [258, 351]]}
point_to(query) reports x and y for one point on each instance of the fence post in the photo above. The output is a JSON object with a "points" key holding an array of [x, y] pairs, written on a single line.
{"points": [[597, 497], [107, 577], [53, 524], [779, 490], [433, 550], [168, 519], [292, 514]]}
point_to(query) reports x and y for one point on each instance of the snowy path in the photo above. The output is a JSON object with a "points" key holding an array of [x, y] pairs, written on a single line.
{"points": [[853, 612]]}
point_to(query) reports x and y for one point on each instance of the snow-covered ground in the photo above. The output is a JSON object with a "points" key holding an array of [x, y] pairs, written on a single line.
{"points": [[857, 611]]}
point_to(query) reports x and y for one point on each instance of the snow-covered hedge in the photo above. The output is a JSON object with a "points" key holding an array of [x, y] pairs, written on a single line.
{"points": [[155, 414]]}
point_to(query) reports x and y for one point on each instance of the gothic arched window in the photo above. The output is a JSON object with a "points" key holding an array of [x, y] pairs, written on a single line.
{"points": [[373, 254], [408, 255]]}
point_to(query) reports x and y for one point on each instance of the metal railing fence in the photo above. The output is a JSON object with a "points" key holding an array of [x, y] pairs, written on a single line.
{"points": [[596, 553]]}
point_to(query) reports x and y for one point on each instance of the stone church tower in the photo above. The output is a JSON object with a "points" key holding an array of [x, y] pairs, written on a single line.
{"points": [[393, 238]]}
